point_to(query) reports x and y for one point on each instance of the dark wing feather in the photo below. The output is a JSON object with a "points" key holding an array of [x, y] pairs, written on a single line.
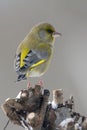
{"points": [[33, 57]]}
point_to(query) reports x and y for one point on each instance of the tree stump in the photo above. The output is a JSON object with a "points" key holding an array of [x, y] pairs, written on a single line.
{"points": [[32, 110]]}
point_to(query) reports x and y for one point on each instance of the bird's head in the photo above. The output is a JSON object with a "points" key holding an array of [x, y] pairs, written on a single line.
{"points": [[45, 32]]}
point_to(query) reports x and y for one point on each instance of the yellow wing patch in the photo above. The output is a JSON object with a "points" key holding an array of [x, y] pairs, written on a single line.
{"points": [[38, 63], [23, 55]]}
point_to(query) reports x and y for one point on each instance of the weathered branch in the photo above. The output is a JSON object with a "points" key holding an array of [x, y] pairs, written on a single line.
{"points": [[31, 109]]}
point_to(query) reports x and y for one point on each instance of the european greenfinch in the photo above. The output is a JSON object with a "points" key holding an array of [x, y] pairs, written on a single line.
{"points": [[34, 53]]}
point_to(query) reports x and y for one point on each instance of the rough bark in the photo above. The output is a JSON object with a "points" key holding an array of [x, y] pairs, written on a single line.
{"points": [[32, 110]]}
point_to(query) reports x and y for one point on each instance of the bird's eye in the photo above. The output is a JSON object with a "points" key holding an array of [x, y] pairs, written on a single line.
{"points": [[49, 31]]}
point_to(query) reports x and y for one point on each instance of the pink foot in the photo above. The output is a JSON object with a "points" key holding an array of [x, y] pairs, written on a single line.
{"points": [[41, 83], [29, 85]]}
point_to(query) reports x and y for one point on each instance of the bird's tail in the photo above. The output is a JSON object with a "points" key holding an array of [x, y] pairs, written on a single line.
{"points": [[21, 77]]}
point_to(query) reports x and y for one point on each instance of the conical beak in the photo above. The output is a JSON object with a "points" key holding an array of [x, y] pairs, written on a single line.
{"points": [[56, 34]]}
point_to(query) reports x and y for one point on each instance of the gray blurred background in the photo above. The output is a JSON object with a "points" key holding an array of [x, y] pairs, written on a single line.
{"points": [[68, 69]]}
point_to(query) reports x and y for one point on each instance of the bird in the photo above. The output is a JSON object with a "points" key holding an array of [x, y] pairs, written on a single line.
{"points": [[34, 53]]}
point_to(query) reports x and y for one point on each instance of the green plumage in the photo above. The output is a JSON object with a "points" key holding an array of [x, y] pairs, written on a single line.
{"points": [[34, 53]]}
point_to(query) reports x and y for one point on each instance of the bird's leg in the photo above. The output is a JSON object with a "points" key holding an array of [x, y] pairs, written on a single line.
{"points": [[29, 85], [41, 83]]}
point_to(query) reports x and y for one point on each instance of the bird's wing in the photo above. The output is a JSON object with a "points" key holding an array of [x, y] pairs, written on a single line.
{"points": [[30, 60]]}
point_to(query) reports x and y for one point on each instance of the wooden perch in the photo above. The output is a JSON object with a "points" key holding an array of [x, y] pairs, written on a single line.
{"points": [[32, 110]]}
